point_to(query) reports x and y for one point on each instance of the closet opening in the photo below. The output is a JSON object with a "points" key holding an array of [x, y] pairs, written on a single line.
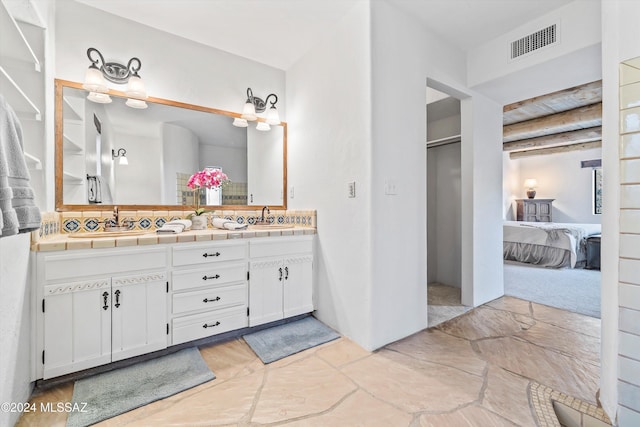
{"points": [[444, 212]]}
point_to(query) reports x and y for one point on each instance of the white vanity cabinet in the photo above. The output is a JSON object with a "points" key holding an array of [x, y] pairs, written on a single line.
{"points": [[88, 320], [97, 306], [281, 278], [209, 289]]}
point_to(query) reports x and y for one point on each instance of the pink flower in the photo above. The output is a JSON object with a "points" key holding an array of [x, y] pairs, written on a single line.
{"points": [[207, 178]]}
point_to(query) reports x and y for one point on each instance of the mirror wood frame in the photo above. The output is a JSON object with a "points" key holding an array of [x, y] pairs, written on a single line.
{"points": [[59, 197]]}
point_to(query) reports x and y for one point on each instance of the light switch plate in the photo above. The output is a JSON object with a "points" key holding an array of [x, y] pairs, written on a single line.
{"points": [[352, 190], [390, 187]]}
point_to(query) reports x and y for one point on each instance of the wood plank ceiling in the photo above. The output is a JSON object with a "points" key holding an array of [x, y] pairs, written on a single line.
{"points": [[561, 121]]}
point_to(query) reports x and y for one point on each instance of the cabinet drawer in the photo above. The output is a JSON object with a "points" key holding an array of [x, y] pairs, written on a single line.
{"points": [[274, 247], [209, 253], [214, 275], [214, 298], [188, 328]]}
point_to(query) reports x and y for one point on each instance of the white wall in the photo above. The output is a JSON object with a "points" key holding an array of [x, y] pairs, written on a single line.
{"points": [[329, 145], [482, 264], [579, 28], [620, 34], [233, 161], [443, 128], [444, 215], [180, 145], [405, 55], [560, 177], [15, 324], [144, 154]]}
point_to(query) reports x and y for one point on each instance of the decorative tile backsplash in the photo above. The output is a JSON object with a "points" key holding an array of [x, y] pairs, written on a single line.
{"points": [[54, 223], [50, 226]]}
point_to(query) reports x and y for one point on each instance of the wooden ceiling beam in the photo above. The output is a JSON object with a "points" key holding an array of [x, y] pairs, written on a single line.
{"points": [[554, 150], [579, 118], [571, 137], [552, 103]]}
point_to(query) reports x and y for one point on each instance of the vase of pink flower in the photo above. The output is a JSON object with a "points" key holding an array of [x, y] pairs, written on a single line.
{"points": [[206, 178]]}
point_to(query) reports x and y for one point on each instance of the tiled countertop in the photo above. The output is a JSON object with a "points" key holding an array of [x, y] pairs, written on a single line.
{"points": [[63, 242]]}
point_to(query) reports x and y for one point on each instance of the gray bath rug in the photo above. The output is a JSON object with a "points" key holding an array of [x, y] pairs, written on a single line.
{"points": [[284, 340], [113, 393]]}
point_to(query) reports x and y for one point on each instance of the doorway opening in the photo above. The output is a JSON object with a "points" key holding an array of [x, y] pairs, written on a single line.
{"points": [[444, 207]]}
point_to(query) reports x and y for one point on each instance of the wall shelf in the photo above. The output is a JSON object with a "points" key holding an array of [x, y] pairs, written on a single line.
{"points": [[71, 111], [13, 43], [71, 146], [32, 161], [71, 179], [27, 103]]}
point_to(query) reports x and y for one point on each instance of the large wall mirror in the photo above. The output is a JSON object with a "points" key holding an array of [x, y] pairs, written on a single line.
{"points": [[164, 145]]}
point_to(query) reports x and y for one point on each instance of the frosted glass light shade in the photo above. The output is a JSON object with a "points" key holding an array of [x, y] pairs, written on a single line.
{"points": [[273, 118], [100, 98], [241, 123], [123, 160], [94, 80], [263, 126], [249, 111], [135, 88], [530, 183], [136, 103]]}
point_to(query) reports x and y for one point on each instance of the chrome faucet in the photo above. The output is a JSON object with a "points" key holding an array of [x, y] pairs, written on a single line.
{"points": [[115, 225], [262, 218]]}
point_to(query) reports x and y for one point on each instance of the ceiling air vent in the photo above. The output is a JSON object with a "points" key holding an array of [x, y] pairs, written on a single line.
{"points": [[535, 41]]}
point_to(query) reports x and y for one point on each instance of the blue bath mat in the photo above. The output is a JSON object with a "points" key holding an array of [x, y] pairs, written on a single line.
{"points": [[113, 393], [284, 340]]}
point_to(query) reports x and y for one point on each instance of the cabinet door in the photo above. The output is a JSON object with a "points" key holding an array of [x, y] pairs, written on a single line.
{"points": [[265, 291], [139, 315], [77, 326], [298, 285]]}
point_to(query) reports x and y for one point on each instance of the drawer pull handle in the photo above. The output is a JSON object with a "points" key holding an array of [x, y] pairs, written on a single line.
{"points": [[280, 270], [207, 255], [286, 276], [211, 325], [217, 276], [211, 300], [117, 293], [105, 295]]}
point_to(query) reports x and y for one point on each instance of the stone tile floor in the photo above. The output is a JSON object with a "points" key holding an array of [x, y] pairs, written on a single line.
{"points": [[474, 370], [444, 303]]}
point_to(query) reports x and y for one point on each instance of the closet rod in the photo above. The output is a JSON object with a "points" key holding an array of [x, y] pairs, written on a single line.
{"points": [[444, 141]]}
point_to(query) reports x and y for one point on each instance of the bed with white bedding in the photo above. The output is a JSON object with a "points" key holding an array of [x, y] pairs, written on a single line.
{"points": [[547, 244]]}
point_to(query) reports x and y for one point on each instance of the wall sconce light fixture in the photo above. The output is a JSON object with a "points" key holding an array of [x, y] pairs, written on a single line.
{"points": [[255, 105], [530, 184], [95, 80], [122, 154]]}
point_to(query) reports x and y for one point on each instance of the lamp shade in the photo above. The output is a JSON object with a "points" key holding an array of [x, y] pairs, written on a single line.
{"points": [[123, 160], [530, 183], [100, 98], [136, 103], [241, 123], [94, 80], [273, 118], [135, 88], [263, 126], [249, 111]]}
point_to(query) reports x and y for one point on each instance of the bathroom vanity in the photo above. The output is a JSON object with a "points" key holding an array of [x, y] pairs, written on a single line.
{"points": [[97, 306]]}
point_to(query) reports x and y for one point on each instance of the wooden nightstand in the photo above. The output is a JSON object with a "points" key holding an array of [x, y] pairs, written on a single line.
{"points": [[534, 210]]}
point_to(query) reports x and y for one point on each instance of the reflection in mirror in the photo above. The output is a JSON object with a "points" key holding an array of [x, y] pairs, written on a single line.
{"points": [[110, 154]]}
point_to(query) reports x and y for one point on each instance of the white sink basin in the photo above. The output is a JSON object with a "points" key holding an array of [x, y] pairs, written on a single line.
{"points": [[99, 234]]}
